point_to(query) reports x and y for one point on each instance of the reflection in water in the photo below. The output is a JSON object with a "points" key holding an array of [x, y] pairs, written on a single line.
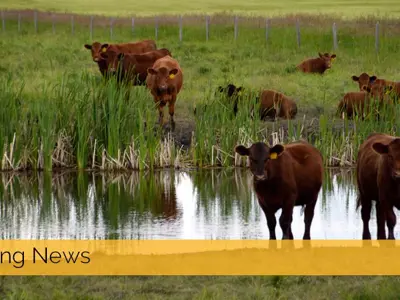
{"points": [[205, 204]]}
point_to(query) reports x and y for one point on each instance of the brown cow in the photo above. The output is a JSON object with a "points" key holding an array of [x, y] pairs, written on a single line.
{"points": [[135, 47], [285, 176], [133, 66], [317, 65], [365, 80], [393, 90], [378, 178], [165, 81], [355, 103], [274, 104]]}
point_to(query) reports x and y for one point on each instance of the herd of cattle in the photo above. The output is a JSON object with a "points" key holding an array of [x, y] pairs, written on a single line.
{"points": [[141, 63], [284, 175]]}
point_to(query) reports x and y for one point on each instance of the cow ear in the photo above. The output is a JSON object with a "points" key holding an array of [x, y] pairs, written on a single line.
{"points": [[173, 72], [242, 150], [320, 55], [333, 56], [355, 78], [372, 79], [276, 151], [87, 46], [151, 71], [380, 148], [104, 47]]}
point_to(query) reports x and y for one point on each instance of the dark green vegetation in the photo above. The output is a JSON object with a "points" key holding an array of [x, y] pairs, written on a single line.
{"points": [[196, 287], [57, 112]]}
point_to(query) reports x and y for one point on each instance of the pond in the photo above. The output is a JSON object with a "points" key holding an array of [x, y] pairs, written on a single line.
{"points": [[202, 204]]}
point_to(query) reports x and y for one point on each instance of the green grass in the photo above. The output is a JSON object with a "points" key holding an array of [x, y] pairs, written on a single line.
{"points": [[341, 8], [204, 287], [58, 112]]}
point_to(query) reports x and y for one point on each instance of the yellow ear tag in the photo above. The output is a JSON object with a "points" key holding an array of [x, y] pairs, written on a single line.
{"points": [[171, 76], [103, 49], [273, 155]]}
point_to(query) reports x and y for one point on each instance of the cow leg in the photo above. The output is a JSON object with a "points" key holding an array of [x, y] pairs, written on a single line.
{"points": [[171, 108], [308, 218], [161, 112], [366, 206], [285, 221], [271, 220], [380, 220], [391, 222]]}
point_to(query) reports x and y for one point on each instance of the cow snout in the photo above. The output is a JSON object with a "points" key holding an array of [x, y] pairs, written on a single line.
{"points": [[163, 88], [396, 174], [260, 177]]}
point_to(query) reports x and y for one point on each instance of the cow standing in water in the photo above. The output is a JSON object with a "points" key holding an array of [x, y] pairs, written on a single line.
{"points": [[165, 80], [378, 179], [285, 176]]}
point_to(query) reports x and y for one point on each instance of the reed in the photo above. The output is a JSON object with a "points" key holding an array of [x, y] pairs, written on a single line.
{"points": [[58, 112]]}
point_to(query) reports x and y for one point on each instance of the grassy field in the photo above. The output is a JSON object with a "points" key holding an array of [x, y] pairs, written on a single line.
{"points": [[58, 113], [340, 8], [194, 287]]}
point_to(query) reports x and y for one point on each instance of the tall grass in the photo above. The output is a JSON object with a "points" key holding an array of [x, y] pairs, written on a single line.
{"points": [[58, 112]]}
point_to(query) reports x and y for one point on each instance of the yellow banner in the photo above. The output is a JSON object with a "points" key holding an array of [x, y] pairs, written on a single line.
{"points": [[199, 257]]}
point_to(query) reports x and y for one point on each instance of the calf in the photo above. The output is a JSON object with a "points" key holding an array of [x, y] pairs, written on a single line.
{"points": [[133, 67], [378, 179], [317, 65], [393, 90], [231, 92], [135, 47], [274, 104], [285, 176], [165, 81], [355, 103], [369, 81]]}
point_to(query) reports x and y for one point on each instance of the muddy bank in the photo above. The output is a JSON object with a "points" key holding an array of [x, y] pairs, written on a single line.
{"points": [[308, 127]]}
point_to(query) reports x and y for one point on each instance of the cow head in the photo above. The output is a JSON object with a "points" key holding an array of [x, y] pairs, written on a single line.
{"points": [[327, 59], [364, 80], [260, 156], [162, 77], [392, 150], [230, 90], [96, 49], [112, 59]]}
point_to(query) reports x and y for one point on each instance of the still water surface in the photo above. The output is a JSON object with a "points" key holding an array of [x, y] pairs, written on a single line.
{"points": [[206, 204]]}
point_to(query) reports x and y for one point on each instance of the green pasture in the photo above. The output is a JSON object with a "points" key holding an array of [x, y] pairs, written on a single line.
{"points": [[57, 112], [200, 287], [340, 8]]}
